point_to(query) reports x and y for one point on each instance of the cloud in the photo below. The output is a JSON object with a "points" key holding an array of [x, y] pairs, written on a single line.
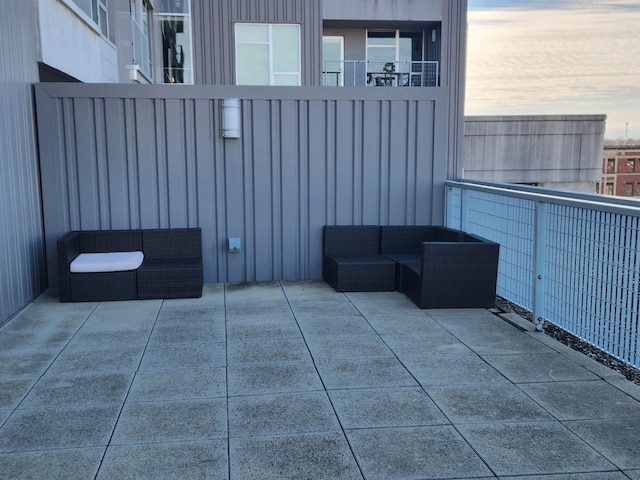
{"points": [[555, 60], [628, 5]]}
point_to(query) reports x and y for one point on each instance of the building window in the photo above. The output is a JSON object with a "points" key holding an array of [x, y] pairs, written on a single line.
{"points": [[611, 165], [609, 189], [638, 189], [267, 54], [631, 165], [333, 61], [395, 57], [628, 189], [96, 10], [174, 21]]}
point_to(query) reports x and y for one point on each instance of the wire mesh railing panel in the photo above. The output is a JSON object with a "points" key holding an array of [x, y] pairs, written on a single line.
{"points": [[508, 221], [570, 259], [593, 278]]}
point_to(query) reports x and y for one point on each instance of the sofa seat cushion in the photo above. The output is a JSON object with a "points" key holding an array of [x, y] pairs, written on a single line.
{"points": [[106, 262]]}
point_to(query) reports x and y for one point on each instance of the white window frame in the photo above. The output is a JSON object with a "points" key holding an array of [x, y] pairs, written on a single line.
{"points": [[272, 74], [92, 17]]}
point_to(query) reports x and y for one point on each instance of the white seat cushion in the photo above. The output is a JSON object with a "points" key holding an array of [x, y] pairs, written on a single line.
{"points": [[106, 262]]}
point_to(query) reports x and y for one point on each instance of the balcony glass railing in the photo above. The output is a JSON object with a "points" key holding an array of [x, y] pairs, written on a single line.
{"points": [[362, 73], [141, 50]]}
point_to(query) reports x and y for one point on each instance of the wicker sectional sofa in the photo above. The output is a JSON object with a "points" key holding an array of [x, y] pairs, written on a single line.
{"points": [[436, 267], [172, 265]]}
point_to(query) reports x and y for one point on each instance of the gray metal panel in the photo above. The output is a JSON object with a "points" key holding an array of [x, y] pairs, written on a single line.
{"points": [[22, 263], [213, 34], [368, 10], [307, 157]]}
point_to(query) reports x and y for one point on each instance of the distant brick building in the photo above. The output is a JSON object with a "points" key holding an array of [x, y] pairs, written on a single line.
{"points": [[620, 171]]}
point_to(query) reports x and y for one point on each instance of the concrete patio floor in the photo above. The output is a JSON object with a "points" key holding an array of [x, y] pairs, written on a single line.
{"points": [[296, 381]]}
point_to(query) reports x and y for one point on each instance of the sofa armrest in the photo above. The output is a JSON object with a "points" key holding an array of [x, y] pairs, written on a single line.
{"points": [[68, 248]]}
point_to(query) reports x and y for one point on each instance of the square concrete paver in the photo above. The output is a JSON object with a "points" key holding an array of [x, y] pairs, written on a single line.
{"points": [[313, 456], [199, 332], [157, 422], [57, 464], [423, 344], [83, 389], [347, 346], [540, 367], [573, 476], [79, 359], [194, 355], [364, 373], [532, 449], [13, 390], [62, 427], [616, 438], [465, 369], [415, 453], [273, 378], [260, 328], [179, 384], [344, 325], [582, 400], [267, 350], [385, 407], [281, 414], [486, 403], [166, 461]]}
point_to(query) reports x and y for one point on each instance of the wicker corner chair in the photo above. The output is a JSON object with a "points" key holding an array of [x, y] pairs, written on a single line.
{"points": [[456, 270], [351, 259]]}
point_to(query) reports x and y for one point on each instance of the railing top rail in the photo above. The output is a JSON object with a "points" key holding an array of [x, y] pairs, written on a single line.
{"points": [[539, 194]]}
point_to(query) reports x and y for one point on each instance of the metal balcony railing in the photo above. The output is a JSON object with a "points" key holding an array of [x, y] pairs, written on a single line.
{"points": [[570, 259], [362, 73]]}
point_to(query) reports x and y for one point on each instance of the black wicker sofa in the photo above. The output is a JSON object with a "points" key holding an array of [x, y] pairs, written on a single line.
{"points": [[437, 267], [171, 265]]}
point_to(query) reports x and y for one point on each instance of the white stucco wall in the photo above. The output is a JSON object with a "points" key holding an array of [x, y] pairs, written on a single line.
{"points": [[70, 42]]}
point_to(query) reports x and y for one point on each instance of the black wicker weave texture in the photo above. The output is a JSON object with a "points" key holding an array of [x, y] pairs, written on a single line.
{"points": [[454, 275], [82, 287], [172, 265], [351, 260]]}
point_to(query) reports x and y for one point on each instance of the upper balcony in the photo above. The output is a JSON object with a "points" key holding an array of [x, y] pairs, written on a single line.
{"points": [[363, 73]]}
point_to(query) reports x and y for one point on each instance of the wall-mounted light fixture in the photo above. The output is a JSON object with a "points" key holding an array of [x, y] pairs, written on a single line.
{"points": [[433, 36], [231, 118]]}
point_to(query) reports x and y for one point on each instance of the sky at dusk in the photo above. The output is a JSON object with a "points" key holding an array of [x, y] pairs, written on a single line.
{"points": [[541, 57]]}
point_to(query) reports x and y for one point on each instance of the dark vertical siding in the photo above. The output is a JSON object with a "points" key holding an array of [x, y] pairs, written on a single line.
{"points": [[214, 40], [122, 156], [22, 265]]}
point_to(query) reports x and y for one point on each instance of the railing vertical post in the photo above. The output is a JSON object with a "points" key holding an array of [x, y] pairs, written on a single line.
{"points": [[464, 207], [539, 254]]}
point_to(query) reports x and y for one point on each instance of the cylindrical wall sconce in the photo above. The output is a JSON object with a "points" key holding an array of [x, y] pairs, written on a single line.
{"points": [[231, 118]]}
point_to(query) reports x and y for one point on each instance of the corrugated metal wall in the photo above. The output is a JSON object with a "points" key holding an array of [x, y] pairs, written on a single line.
{"points": [[22, 275], [214, 47], [118, 156]]}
